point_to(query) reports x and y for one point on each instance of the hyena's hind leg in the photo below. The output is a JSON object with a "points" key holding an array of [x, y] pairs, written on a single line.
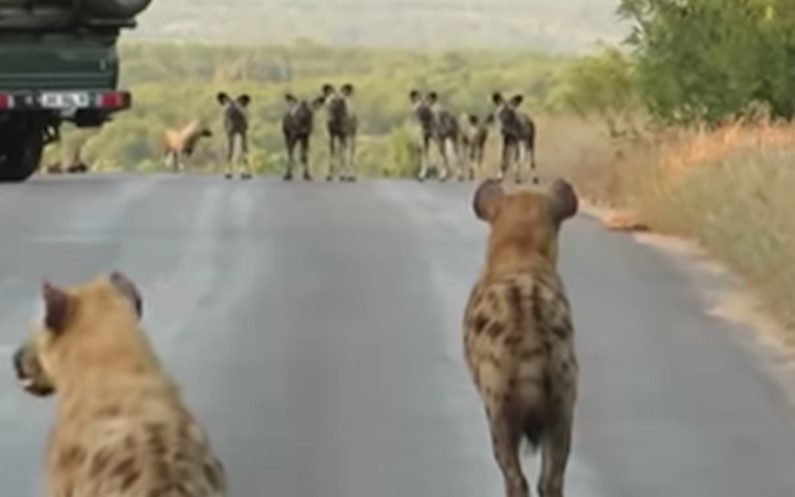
{"points": [[506, 440], [555, 449]]}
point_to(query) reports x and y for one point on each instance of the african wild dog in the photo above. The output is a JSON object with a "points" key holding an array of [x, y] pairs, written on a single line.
{"points": [[235, 117], [518, 332], [297, 126], [342, 124], [437, 125], [182, 143], [518, 136], [121, 426], [474, 140]]}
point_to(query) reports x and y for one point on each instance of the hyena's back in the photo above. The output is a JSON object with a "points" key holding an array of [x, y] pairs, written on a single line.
{"points": [[518, 345]]}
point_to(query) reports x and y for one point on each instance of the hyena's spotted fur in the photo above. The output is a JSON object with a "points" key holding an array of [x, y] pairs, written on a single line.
{"points": [[121, 427], [518, 333]]}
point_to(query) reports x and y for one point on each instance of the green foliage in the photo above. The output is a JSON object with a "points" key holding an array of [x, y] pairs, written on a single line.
{"points": [[173, 84], [600, 84], [709, 60]]}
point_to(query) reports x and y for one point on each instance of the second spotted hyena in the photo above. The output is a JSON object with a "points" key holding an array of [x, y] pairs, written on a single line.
{"points": [[518, 333], [121, 427]]}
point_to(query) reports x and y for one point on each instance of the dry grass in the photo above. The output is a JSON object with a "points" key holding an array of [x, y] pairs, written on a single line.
{"points": [[730, 189]]}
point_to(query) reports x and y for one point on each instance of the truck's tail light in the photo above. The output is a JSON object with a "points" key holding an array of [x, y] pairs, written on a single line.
{"points": [[113, 100], [6, 101]]}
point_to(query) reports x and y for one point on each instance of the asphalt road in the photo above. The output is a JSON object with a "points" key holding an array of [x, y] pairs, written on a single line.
{"points": [[315, 329]]}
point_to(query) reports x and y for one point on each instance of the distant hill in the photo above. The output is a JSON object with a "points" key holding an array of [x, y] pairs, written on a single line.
{"points": [[550, 25]]}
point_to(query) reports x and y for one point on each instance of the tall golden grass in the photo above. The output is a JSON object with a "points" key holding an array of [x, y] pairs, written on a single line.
{"points": [[732, 189]]}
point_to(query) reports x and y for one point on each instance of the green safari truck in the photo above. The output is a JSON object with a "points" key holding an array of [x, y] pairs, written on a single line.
{"points": [[58, 63]]}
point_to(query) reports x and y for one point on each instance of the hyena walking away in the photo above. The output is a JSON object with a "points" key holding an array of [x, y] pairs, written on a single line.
{"points": [[342, 125], [518, 137], [474, 140], [121, 428], [518, 333], [179, 143], [297, 126], [440, 126], [235, 117]]}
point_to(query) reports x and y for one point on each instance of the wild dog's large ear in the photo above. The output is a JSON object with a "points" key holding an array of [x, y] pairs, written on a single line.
{"points": [[243, 100], [126, 287], [473, 119], [327, 89], [347, 89], [497, 98], [414, 96], [489, 119], [433, 97], [516, 100], [318, 102], [222, 98], [57, 305], [562, 201], [487, 199], [290, 98]]}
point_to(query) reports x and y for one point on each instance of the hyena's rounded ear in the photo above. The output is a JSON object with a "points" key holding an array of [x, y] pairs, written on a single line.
{"points": [[222, 98], [487, 199], [347, 89], [126, 287], [497, 98], [414, 96], [244, 100], [57, 305], [327, 89], [562, 201]]}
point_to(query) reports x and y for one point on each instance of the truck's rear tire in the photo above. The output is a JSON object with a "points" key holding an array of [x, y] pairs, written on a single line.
{"points": [[20, 157], [117, 8]]}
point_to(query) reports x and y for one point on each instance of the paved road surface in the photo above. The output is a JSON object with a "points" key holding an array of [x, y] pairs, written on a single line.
{"points": [[316, 330]]}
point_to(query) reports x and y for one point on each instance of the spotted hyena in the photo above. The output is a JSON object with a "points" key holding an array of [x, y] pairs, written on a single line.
{"points": [[235, 118], [518, 136], [121, 428], [518, 333], [474, 139], [342, 124]]}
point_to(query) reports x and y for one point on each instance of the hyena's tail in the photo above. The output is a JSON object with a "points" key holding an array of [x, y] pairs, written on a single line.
{"points": [[532, 429]]}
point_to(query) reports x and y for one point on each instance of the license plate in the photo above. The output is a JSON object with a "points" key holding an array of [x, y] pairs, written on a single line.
{"points": [[65, 100]]}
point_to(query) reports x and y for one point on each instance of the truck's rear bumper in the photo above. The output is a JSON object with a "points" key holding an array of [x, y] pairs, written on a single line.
{"points": [[66, 101]]}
